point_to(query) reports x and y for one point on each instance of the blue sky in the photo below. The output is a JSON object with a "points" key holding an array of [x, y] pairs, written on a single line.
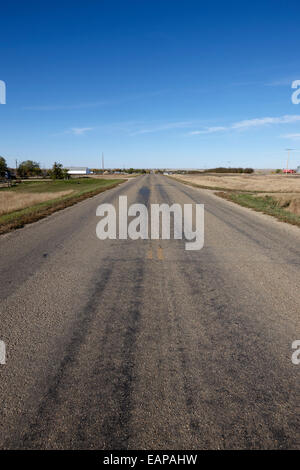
{"points": [[151, 83]]}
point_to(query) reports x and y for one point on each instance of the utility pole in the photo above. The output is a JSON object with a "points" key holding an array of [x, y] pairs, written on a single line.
{"points": [[288, 159], [102, 161]]}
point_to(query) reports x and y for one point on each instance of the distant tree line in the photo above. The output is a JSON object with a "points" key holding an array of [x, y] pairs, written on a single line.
{"points": [[129, 171], [137, 170], [30, 168], [210, 170], [229, 170]]}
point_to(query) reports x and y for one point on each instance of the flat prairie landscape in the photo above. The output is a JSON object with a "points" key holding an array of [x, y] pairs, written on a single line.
{"points": [[264, 183], [277, 195]]}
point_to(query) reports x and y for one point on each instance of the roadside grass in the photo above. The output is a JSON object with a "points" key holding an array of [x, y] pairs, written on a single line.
{"points": [[76, 184], [253, 199], [11, 201], [266, 204], [82, 188]]}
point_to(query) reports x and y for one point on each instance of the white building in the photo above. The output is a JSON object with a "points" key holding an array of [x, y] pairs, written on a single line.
{"points": [[78, 170]]}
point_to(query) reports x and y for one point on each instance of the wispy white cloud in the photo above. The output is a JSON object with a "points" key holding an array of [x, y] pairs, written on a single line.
{"points": [[249, 123], [79, 130], [131, 128], [135, 128], [163, 127], [264, 121], [209, 130], [291, 136]]}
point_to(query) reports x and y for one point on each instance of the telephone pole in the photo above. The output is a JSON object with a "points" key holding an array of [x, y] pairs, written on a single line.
{"points": [[288, 158], [102, 161]]}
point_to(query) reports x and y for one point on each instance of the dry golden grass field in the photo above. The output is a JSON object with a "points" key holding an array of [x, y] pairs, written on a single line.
{"points": [[14, 201], [283, 189], [32, 200], [264, 183]]}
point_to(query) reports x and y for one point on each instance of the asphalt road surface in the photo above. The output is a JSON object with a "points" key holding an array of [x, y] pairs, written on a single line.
{"points": [[123, 344]]}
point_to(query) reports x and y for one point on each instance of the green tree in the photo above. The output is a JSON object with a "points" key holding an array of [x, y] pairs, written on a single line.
{"points": [[29, 168], [66, 175], [57, 172], [3, 166]]}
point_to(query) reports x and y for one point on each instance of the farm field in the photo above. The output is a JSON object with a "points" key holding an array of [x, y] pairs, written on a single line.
{"points": [[277, 195], [261, 183], [31, 200]]}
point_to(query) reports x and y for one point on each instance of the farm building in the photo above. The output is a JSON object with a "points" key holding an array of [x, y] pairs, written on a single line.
{"points": [[78, 170]]}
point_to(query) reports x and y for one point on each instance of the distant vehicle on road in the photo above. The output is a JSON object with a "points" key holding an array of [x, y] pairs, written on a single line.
{"points": [[289, 171]]}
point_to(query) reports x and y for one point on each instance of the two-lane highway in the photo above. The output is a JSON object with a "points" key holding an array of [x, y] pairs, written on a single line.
{"points": [[123, 344]]}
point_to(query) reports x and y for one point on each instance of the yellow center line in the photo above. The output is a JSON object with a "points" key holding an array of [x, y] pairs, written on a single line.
{"points": [[160, 253]]}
